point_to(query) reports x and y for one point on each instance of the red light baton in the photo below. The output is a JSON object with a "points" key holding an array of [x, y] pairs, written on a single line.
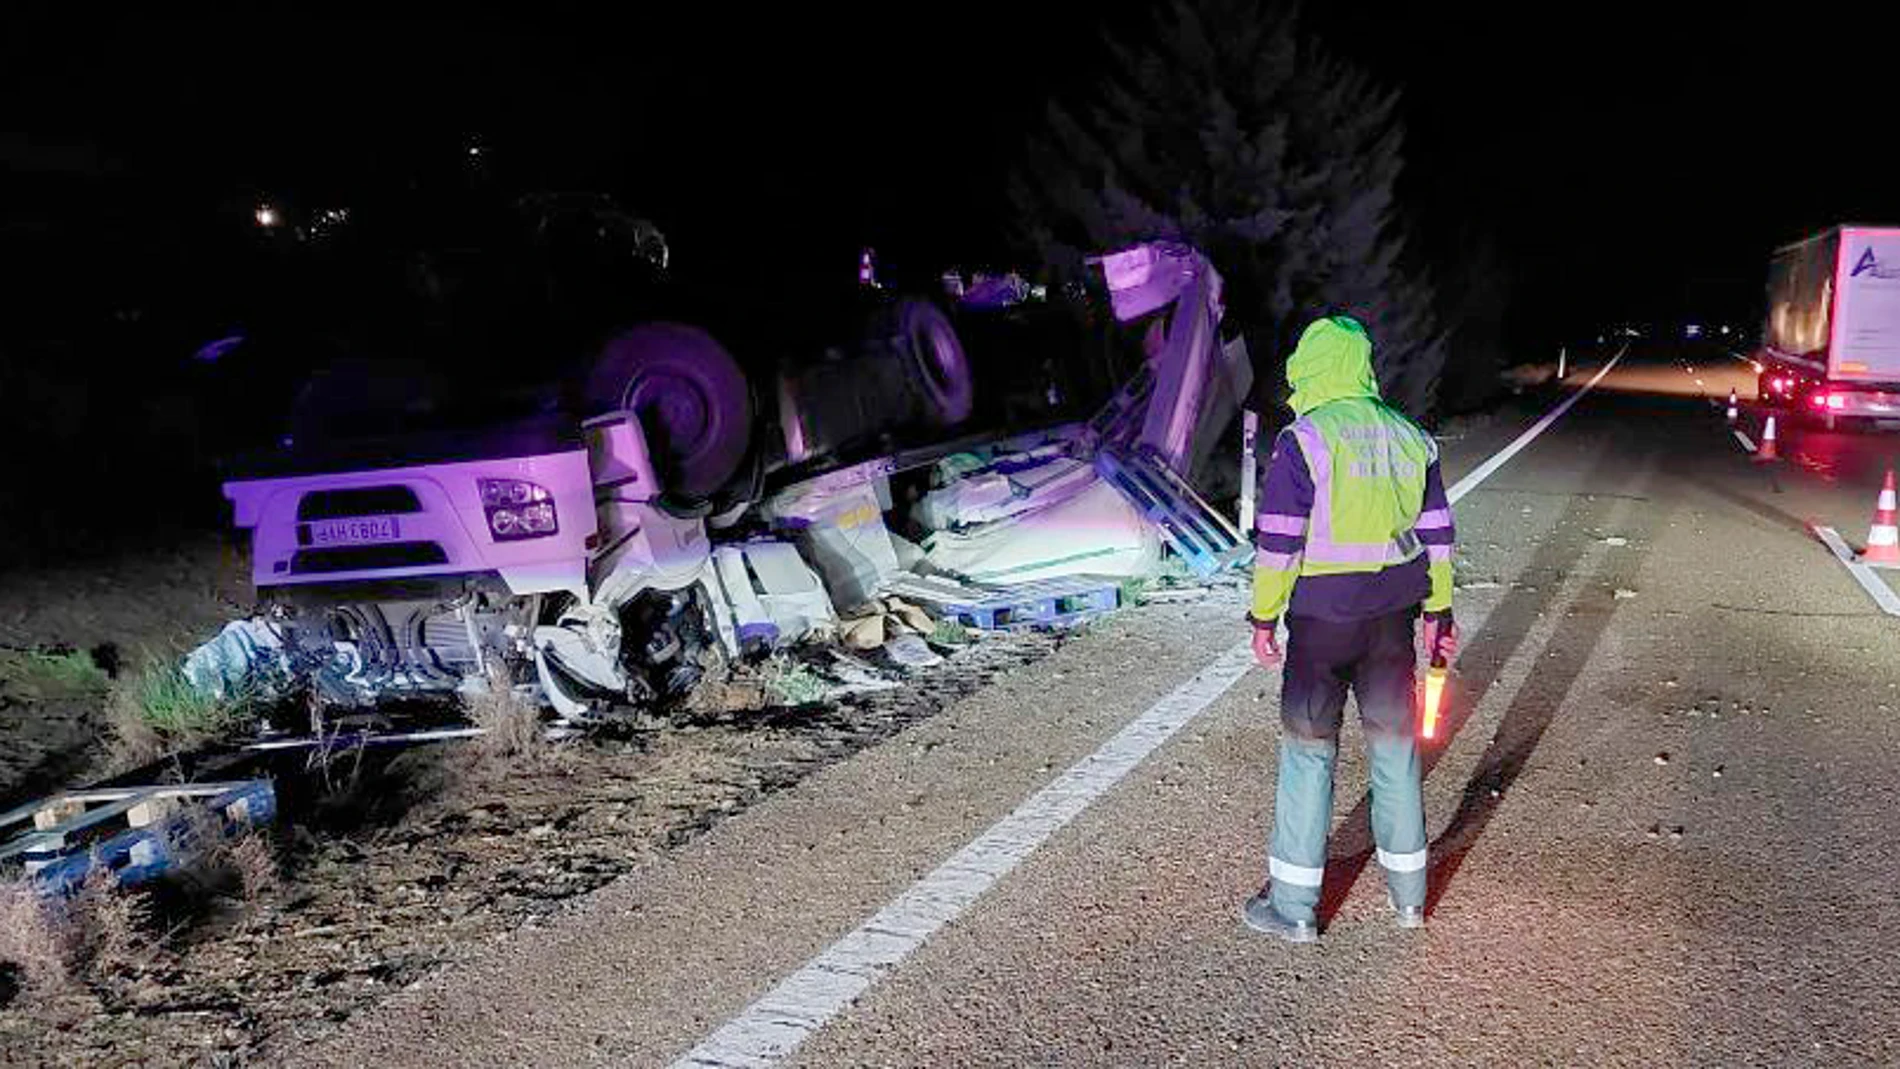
{"points": [[1434, 695]]}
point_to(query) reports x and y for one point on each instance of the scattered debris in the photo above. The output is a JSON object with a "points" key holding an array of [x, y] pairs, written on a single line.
{"points": [[774, 596], [1050, 603], [1615, 540], [855, 676], [1662, 758], [911, 651], [839, 524], [1623, 593]]}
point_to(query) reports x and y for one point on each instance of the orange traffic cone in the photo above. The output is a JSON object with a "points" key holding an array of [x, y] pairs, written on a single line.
{"points": [[1883, 538], [1766, 449], [1732, 412]]}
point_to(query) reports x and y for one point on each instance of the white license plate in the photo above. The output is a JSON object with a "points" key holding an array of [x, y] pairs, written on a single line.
{"points": [[355, 531]]}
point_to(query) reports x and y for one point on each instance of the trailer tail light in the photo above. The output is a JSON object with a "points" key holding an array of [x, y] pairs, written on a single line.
{"points": [[517, 509], [1819, 400]]}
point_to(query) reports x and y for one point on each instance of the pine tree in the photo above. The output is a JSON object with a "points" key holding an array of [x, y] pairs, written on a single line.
{"points": [[1228, 130]]}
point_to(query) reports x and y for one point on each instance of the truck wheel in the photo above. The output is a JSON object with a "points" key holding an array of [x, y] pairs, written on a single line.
{"points": [[692, 400], [938, 365]]}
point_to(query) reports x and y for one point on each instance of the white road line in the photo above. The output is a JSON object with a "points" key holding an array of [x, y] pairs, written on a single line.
{"points": [[1747, 443], [771, 1028], [1470, 482], [1875, 586]]}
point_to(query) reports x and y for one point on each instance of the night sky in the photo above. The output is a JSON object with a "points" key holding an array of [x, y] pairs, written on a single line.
{"points": [[1631, 160]]}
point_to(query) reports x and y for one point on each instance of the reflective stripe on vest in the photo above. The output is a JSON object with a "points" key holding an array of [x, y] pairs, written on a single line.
{"points": [[1321, 547]]}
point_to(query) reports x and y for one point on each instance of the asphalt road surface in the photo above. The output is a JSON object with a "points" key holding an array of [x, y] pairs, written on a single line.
{"points": [[1666, 828]]}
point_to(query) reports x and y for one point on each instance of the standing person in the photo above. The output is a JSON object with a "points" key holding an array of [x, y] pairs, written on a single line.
{"points": [[1354, 538]]}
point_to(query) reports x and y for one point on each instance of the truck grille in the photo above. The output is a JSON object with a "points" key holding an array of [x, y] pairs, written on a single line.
{"points": [[357, 501], [362, 558]]}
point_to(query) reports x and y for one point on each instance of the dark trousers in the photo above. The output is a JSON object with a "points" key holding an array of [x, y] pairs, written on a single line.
{"points": [[1373, 659]]}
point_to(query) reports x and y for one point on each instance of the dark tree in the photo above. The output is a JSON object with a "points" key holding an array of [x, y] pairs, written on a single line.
{"points": [[1226, 128]]}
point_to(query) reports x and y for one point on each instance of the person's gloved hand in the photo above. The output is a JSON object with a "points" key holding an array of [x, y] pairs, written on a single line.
{"points": [[1439, 639], [1266, 647]]}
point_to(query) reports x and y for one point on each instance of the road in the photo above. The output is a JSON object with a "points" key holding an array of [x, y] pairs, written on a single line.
{"points": [[1664, 828]]}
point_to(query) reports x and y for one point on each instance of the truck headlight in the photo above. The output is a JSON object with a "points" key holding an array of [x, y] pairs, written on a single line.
{"points": [[518, 509]]}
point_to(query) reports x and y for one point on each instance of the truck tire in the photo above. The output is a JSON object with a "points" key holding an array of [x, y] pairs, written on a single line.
{"points": [[938, 366], [692, 400]]}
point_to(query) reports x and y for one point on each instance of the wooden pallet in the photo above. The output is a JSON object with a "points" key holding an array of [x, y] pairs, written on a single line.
{"points": [[1199, 535], [135, 832]]}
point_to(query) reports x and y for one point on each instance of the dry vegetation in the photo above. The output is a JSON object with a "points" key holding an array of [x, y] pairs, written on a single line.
{"points": [[512, 733]]}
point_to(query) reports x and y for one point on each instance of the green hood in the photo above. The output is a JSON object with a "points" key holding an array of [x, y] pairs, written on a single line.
{"points": [[1333, 361]]}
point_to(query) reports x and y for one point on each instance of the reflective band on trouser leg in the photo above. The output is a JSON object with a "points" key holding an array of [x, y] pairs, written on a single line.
{"points": [[1302, 815], [1398, 815], [1297, 875], [1411, 862]]}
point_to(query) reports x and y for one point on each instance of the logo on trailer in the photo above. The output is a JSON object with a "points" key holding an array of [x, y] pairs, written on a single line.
{"points": [[1869, 264]]}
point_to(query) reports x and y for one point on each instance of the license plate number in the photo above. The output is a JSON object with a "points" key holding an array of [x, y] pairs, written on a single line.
{"points": [[355, 531]]}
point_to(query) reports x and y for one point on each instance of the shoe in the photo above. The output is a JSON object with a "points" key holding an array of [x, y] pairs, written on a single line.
{"points": [[1262, 917], [1406, 916]]}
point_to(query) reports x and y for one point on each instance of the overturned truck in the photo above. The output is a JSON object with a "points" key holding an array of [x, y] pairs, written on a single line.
{"points": [[597, 556]]}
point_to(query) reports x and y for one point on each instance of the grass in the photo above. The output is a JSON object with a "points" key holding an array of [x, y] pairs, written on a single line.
{"points": [[949, 633], [1135, 590], [790, 682], [42, 675], [158, 711]]}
